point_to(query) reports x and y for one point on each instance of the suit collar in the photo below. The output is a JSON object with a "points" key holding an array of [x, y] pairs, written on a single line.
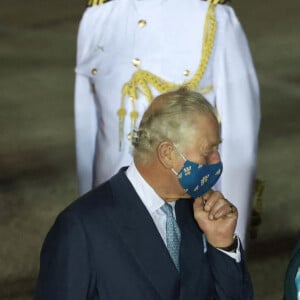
{"points": [[146, 193]]}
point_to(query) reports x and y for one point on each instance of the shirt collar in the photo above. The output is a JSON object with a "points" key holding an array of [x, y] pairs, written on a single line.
{"points": [[146, 193]]}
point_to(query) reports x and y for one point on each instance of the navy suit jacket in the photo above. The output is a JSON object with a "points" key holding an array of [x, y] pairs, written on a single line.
{"points": [[105, 246]]}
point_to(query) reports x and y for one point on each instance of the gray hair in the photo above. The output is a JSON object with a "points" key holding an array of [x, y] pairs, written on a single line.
{"points": [[169, 117]]}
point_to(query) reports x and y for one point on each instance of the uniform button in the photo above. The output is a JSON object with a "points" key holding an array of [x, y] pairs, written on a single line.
{"points": [[94, 71], [136, 62], [142, 23], [186, 72]]}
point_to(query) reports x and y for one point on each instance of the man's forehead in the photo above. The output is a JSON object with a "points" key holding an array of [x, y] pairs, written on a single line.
{"points": [[207, 123], [210, 142], [208, 131]]}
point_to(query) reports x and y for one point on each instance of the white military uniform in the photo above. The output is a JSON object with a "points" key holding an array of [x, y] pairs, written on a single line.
{"points": [[164, 37]]}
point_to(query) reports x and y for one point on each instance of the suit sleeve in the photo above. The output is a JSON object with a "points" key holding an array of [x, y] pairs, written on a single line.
{"points": [[65, 268], [232, 280], [238, 104], [85, 109]]}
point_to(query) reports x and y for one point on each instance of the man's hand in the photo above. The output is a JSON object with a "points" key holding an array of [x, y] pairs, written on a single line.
{"points": [[217, 218]]}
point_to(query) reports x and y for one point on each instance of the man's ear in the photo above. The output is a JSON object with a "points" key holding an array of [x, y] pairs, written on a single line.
{"points": [[165, 154]]}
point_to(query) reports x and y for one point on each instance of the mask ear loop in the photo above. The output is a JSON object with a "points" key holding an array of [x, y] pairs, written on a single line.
{"points": [[174, 171], [182, 156]]}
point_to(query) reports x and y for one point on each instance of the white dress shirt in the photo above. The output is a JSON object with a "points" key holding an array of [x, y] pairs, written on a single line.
{"points": [[153, 204], [150, 199]]}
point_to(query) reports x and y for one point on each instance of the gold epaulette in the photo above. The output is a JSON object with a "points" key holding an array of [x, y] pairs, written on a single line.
{"points": [[218, 1], [96, 2], [99, 2]]}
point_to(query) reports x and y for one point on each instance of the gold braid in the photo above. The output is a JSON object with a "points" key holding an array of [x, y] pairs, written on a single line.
{"points": [[141, 79]]}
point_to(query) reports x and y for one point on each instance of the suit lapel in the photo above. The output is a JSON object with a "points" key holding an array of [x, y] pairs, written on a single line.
{"points": [[138, 231]]}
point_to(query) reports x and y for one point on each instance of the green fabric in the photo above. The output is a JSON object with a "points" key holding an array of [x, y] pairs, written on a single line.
{"points": [[290, 291]]}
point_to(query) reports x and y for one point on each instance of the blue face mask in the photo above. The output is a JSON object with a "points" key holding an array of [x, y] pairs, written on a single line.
{"points": [[197, 179]]}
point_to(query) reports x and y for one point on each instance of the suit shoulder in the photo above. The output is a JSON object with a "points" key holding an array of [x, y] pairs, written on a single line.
{"points": [[91, 202]]}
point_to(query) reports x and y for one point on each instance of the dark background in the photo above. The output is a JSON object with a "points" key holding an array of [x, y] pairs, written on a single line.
{"points": [[37, 159]]}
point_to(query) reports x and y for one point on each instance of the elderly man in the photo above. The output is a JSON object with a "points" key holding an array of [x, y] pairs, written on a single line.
{"points": [[155, 230]]}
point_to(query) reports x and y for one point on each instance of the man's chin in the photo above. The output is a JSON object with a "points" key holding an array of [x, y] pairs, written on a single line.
{"points": [[171, 198], [185, 196]]}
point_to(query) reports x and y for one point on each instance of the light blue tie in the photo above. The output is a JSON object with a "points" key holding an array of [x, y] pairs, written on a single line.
{"points": [[172, 233]]}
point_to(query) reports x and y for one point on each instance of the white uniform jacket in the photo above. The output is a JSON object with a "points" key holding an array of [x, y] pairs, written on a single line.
{"points": [[165, 38]]}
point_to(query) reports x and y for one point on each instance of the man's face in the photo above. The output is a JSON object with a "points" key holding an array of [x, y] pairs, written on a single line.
{"points": [[203, 148], [203, 145]]}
